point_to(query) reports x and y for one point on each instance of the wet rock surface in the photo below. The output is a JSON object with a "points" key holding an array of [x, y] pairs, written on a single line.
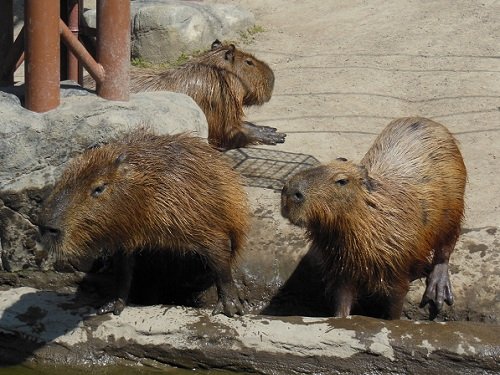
{"points": [[51, 326]]}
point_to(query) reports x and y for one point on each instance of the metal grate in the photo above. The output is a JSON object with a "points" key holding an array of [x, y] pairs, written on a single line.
{"points": [[268, 168]]}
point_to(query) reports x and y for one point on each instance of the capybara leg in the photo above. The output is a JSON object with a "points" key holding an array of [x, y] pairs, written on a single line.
{"points": [[394, 304], [262, 134], [438, 290], [438, 285], [123, 268], [342, 297], [228, 302]]}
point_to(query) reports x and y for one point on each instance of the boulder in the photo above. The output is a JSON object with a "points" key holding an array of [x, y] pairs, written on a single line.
{"points": [[162, 30]]}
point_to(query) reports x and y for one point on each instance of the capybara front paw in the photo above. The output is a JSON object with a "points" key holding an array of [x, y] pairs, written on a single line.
{"points": [[438, 290], [229, 306], [116, 307], [272, 138]]}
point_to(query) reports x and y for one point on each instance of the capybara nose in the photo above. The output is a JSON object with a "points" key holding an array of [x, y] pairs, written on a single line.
{"points": [[50, 232], [297, 196], [294, 193]]}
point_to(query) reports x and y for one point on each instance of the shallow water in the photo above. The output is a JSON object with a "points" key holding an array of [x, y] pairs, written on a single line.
{"points": [[106, 370]]}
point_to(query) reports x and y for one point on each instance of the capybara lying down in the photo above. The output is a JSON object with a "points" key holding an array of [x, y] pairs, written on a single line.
{"points": [[222, 81], [386, 221], [150, 192]]}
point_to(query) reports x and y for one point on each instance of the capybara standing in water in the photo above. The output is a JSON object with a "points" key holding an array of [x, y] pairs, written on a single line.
{"points": [[151, 192], [382, 223], [221, 81]]}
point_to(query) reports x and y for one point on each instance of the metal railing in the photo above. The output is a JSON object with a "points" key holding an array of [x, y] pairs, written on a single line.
{"points": [[39, 45]]}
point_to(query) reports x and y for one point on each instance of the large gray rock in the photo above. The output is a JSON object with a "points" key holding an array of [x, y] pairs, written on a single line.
{"points": [[162, 30], [34, 147]]}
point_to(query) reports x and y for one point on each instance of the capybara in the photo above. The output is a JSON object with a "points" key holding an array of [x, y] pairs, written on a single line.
{"points": [[221, 81], [148, 192], [386, 221]]}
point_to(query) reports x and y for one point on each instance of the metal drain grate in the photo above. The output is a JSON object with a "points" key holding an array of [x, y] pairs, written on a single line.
{"points": [[268, 168]]}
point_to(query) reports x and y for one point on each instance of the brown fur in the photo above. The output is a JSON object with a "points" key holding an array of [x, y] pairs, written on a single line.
{"points": [[221, 81], [386, 221], [146, 191]]}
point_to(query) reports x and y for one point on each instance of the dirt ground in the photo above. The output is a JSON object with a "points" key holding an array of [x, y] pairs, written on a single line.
{"points": [[344, 69]]}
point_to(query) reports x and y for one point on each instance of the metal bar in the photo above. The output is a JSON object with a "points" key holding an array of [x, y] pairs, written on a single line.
{"points": [[6, 40], [42, 65], [13, 59], [73, 18], [113, 48], [95, 70]]}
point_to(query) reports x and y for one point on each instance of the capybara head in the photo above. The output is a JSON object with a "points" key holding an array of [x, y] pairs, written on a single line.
{"points": [[321, 196], [77, 215], [256, 76]]}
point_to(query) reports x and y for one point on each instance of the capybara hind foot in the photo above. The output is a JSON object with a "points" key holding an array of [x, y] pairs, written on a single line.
{"points": [[115, 306], [438, 290], [263, 134], [229, 302]]}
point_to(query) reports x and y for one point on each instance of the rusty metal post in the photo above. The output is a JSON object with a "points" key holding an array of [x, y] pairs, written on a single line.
{"points": [[42, 64], [78, 49], [113, 48], [6, 40], [71, 15]]}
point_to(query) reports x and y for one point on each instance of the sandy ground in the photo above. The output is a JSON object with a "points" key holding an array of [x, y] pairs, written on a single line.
{"points": [[345, 68]]}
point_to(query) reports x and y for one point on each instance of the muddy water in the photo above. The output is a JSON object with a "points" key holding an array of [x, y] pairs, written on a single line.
{"points": [[108, 370]]}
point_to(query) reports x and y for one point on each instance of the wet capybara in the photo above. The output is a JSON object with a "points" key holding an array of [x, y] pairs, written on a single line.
{"points": [[221, 81], [386, 221], [149, 192]]}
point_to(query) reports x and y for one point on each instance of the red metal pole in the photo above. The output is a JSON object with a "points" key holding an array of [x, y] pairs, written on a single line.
{"points": [[74, 69], [96, 70], [42, 65], [6, 40], [113, 48]]}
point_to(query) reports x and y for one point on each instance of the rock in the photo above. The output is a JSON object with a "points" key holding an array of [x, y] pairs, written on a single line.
{"points": [[55, 327], [34, 148], [162, 30]]}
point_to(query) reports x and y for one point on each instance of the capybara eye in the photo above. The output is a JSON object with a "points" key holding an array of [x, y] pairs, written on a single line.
{"points": [[249, 62], [342, 181], [98, 190]]}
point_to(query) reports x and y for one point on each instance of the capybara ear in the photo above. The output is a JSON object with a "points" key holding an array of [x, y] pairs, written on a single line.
{"points": [[366, 180], [120, 159], [230, 53], [216, 44]]}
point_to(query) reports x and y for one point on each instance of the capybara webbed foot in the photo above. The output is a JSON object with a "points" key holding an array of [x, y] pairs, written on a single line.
{"points": [[229, 306], [229, 302], [115, 306], [438, 290], [263, 134]]}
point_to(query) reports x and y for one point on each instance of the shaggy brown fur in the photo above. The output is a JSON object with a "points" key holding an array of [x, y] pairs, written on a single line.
{"points": [[146, 191], [386, 221], [221, 81]]}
